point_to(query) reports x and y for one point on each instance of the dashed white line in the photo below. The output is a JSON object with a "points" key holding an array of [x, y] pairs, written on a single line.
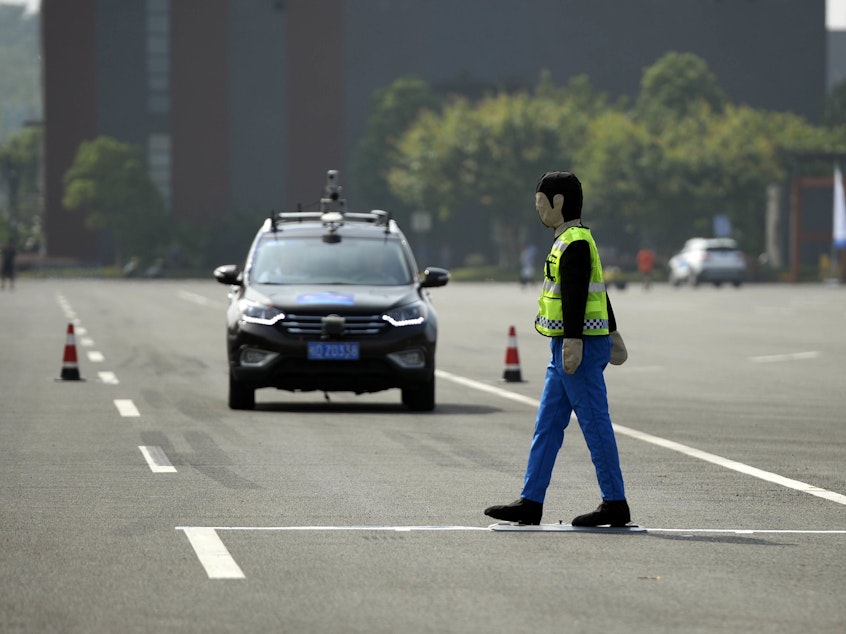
{"points": [[667, 444], [126, 407], [194, 297], [212, 553], [108, 377], [96, 357], [792, 356], [156, 459]]}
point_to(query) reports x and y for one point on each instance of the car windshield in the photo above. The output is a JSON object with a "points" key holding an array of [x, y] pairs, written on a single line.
{"points": [[368, 261]]}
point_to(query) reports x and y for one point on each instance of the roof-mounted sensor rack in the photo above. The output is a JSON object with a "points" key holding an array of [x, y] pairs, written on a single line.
{"points": [[332, 212]]}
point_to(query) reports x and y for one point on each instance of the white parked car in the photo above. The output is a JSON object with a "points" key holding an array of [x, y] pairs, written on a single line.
{"points": [[708, 260]]}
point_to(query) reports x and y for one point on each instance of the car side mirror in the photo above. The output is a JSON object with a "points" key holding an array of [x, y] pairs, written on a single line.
{"points": [[434, 276], [229, 274]]}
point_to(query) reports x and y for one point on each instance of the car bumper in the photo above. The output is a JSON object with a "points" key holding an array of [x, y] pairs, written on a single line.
{"points": [[380, 365], [721, 275]]}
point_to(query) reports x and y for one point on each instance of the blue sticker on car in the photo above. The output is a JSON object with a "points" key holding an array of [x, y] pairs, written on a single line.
{"points": [[326, 298]]}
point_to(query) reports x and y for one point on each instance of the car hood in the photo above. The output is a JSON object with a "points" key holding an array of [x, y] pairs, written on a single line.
{"points": [[333, 298]]}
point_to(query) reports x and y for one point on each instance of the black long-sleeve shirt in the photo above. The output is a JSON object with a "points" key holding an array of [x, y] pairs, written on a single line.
{"points": [[574, 271]]}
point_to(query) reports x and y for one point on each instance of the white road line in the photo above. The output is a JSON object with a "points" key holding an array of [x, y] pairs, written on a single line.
{"points": [[793, 356], [483, 387], [108, 377], [405, 529], [156, 459], [734, 465], [96, 357], [126, 407], [667, 444], [86, 341], [80, 330], [401, 529], [746, 531], [194, 297], [212, 553]]}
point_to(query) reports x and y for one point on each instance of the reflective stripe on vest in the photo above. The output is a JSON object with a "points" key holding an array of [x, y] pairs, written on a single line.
{"points": [[550, 319]]}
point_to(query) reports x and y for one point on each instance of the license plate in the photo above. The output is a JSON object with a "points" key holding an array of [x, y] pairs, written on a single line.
{"points": [[323, 351]]}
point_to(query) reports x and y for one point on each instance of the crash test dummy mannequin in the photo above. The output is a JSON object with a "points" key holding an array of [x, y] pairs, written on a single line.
{"points": [[576, 315]]}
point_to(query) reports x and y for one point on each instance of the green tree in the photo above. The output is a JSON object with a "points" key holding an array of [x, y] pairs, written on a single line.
{"points": [[834, 105], [656, 174], [394, 108], [20, 69], [673, 87], [486, 156], [109, 182], [20, 159], [621, 166]]}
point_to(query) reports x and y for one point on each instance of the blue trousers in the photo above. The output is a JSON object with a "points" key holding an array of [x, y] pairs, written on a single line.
{"points": [[583, 392]]}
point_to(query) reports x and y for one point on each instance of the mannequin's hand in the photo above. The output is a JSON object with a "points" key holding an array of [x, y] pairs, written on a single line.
{"points": [[619, 354], [571, 353]]}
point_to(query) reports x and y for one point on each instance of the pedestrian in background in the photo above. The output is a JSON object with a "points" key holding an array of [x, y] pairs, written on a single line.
{"points": [[7, 270], [575, 313], [527, 264], [645, 264]]}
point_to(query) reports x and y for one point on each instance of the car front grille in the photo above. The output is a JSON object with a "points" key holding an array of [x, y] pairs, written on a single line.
{"points": [[354, 325]]}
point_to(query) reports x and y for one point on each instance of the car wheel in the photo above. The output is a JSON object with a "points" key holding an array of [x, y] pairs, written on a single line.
{"points": [[737, 283], [420, 398], [240, 395]]}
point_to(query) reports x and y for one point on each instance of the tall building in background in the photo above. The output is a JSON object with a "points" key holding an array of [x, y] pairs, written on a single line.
{"points": [[242, 105]]}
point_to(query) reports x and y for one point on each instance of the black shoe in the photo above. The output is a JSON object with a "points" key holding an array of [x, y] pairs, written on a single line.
{"points": [[613, 512], [522, 511]]}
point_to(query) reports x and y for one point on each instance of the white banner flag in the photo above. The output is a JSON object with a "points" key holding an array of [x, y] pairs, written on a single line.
{"points": [[839, 210]]}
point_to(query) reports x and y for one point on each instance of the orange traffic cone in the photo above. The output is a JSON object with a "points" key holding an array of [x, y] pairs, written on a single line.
{"points": [[512, 359], [70, 367]]}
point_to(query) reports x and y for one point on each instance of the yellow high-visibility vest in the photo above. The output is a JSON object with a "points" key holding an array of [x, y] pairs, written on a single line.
{"points": [[550, 319]]}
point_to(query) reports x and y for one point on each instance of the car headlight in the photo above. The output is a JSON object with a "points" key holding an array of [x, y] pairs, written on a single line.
{"points": [[253, 313], [411, 315]]}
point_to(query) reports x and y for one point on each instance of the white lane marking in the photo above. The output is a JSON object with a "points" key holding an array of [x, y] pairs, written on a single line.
{"points": [[156, 459], [793, 356], [483, 387], [212, 554], [108, 377], [668, 444], [96, 357], [80, 331], [734, 465], [126, 407], [405, 529], [194, 297], [86, 341], [746, 531]]}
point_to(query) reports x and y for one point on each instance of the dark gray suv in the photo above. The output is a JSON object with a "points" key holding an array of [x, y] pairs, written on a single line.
{"points": [[331, 300]]}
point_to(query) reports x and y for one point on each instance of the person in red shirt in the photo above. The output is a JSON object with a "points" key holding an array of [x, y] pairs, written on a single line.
{"points": [[645, 263]]}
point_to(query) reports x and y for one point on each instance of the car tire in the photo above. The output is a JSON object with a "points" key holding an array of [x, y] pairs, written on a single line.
{"points": [[240, 395], [420, 398]]}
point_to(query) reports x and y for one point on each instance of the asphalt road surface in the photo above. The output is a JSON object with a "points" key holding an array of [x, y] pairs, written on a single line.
{"points": [[136, 501]]}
